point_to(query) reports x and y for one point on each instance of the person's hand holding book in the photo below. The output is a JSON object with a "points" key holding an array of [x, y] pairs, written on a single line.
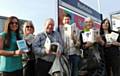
{"points": [[115, 43], [99, 40], [18, 52], [58, 53], [47, 51], [88, 44], [22, 46]]}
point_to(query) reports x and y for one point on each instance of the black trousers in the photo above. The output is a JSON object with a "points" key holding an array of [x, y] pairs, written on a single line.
{"points": [[14, 73], [113, 66], [42, 67], [29, 69]]}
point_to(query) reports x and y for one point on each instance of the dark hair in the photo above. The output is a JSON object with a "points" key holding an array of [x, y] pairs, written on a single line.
{"points": [[67, 15], [101, 27], [7, 30]]}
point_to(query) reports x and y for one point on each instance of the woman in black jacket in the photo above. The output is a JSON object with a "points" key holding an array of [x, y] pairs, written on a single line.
{"points": [[29, 67], [111, 49], [91, 51]]}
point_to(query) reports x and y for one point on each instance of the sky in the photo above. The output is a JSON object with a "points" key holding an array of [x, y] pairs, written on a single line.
{"points": [[39, 10], [35, 10], [107, 7]]}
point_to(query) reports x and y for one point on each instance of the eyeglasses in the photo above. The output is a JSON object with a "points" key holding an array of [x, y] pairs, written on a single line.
{"points": [[29, 26], [14, 23]]}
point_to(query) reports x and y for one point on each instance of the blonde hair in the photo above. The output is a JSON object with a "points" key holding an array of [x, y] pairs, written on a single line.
{"points": [[45, 24], [28, 23], [88, 19]]}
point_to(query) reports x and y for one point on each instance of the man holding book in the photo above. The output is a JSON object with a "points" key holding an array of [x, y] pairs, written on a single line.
{"points": [[71, 43]]}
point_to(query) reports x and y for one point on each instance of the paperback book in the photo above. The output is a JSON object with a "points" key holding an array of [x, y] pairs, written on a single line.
{"points": [[22, 45], [111, 37], [51, 46]]}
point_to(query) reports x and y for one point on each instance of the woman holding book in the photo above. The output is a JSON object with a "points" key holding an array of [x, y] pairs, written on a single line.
{"points": [[41, 46], [28, 30], [111, 48], [87, 31], [91, 51], [11, 59]]}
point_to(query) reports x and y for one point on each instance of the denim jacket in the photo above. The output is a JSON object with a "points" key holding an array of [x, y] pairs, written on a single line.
{"points": [[38, 45]]}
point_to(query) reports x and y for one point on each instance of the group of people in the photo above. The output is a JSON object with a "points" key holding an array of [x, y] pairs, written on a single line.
{"points": [[11, 62], [71, 49]]}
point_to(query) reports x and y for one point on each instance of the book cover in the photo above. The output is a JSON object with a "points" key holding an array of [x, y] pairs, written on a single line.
{"points": [[54, 47], [114, 36], [70, 29], [85, 36], [111, 37], [51, 46], [22, 45], [89, 36], [67, 30], [47, 43], [108, 38], [29, 38]]}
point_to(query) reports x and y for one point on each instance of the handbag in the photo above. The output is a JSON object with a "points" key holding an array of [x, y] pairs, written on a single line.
{"points": [[92, 57]]}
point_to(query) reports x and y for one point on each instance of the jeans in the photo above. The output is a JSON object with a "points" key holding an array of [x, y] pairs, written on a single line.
{"points": [[75, 64]]}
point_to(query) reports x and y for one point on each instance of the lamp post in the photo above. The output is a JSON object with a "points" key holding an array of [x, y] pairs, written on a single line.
{"points": [[99, 7]]}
